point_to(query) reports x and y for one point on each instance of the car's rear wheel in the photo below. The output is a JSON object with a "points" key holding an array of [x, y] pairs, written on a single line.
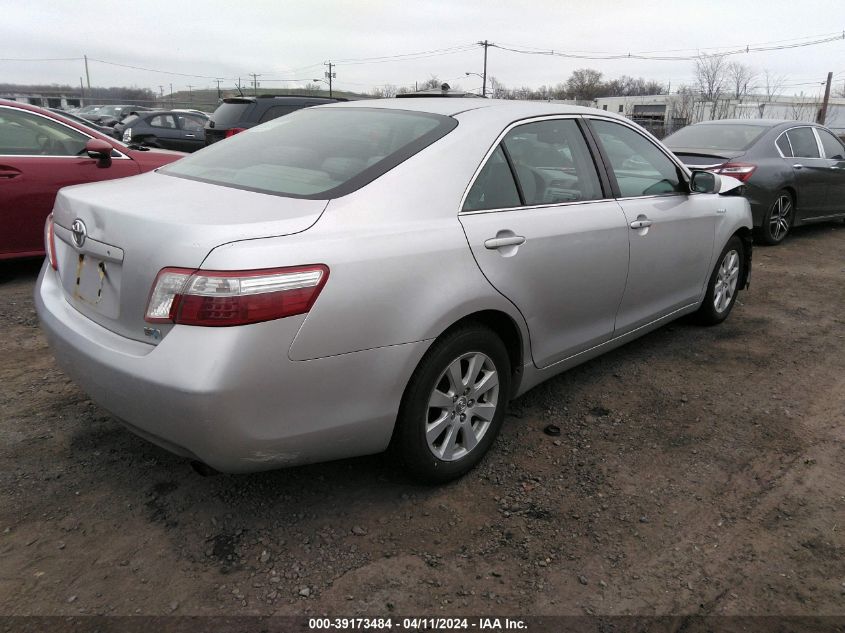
{"points": [[151, 141], [454, 405], [778, 220], [723, 285]]}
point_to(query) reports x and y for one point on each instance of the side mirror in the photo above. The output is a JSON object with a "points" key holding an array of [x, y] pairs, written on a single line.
{"points": [[705, 182], [99, 150]]}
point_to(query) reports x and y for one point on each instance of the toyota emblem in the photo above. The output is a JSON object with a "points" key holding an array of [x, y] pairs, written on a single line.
{"points": [[79, 232]]}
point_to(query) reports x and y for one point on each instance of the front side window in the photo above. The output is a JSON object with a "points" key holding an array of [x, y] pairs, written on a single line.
{"points": [[641, 169], [832, 146], [317, 153], [803, 142], [27, 134], [495, 187], [552, 162]]}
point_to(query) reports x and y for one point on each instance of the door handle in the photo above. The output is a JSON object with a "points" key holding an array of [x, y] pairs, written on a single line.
{"points": [[9, 172], [190, 135], [641, 224], [798, 166], [500, 242]]}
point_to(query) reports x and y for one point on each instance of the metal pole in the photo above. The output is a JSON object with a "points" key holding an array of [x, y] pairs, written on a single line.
{"points": [[329, 75], [87, 76], [823, 111], [218, 89], [171, 96], [484, 78], [81, 93]]}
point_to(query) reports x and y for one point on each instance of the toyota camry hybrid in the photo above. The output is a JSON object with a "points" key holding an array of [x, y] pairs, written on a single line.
{"points": [[380, 275]]}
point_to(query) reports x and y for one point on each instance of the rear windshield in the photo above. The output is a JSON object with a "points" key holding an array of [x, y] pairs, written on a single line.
{"points": [[714, 136], [317, 153], [228, 114]]}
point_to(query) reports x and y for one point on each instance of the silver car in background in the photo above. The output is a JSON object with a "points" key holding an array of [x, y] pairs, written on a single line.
{"points": [[380, 274]]}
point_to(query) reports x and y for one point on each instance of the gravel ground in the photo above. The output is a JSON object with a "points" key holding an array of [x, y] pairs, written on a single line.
{"points": [[699, 471]]}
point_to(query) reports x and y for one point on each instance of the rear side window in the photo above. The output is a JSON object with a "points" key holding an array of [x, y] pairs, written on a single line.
{"points": [[832, 146], [229, 114], [803, 142], [315, 153], [165, 121], [726, 136], [641, 169], [274, 112], [552, 162], [494, 188], [783, 146]]}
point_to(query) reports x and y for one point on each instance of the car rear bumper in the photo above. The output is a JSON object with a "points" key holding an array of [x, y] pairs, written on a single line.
{"points": [[231, 397]]}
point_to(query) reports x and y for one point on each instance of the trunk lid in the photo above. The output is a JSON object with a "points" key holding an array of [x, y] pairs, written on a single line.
{"points": [[705, 158], [135, 227]]}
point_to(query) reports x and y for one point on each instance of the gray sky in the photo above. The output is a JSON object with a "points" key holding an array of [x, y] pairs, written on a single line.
{"points": [[290, 40]]}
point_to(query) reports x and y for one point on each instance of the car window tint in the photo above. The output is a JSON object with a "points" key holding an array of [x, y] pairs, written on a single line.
{"points": [[494, 188], [803, 142], [315, 153], [25, 133], [783, 146], [164, 121], [191, 123], [274, 112], [641, 169], [552, 162], [832, 146], [727, 136]]}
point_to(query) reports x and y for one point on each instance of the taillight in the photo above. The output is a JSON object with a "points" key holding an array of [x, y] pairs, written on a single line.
{"points": [[740, 171], [233, 297], [233, 131], [50, 242]]}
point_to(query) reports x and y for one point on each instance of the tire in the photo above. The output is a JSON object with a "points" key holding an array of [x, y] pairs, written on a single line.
{"points": [[445, 428], [778, 219], [151, 141], [723, 285]]}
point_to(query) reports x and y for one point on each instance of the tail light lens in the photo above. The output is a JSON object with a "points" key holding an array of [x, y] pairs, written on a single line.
{"points": [[740, 171], [216, 298], [50, 242], [233, 131]]}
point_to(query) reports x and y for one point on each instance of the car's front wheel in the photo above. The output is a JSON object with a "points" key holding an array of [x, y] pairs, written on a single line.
{"points": [[778, 220], [723, 285], [454, 405]]}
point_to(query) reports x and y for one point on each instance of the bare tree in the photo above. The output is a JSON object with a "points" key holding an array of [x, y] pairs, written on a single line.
{"points": [[585, 84], [710, 76], [385, 92], [741, 78], [683, 107], [772, 84]]}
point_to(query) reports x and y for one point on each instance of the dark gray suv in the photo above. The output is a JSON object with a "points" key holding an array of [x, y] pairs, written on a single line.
{"points": [[237, 114], [181, 130]]}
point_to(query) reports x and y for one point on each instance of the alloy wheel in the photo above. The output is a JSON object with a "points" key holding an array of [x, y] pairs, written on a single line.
{"points": [[462, 406], [780, 217], [726, 281]]}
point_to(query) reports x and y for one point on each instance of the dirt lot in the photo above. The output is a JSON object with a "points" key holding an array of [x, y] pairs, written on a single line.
{"points": [[700, 471]]}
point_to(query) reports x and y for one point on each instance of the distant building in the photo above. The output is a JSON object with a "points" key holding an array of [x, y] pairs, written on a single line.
{"points": [[45, 101], [663, 114]]}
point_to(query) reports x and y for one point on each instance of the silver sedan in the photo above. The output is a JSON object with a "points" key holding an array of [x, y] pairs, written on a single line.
{"points": [[379, 275]]}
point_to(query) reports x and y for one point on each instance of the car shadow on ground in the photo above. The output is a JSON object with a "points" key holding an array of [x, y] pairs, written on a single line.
{"points": [[20, 269]]}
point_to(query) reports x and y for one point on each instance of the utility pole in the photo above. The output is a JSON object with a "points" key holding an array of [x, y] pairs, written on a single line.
{"points": [[330, 75], [218, 89], [486, 45], [823, 111], [171, 96], [254, 84], [161, 91], [190, 94], [87, 76], [81, 93]]}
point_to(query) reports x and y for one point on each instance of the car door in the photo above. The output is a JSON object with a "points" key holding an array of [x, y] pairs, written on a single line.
{"points": [[192, 128], [167, 134], [671, 231], [38, 156], [810, 171], [834, 156], [548, 236]]}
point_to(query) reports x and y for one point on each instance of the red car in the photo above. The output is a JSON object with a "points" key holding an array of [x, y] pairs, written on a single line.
{"points": [[41, 152]]}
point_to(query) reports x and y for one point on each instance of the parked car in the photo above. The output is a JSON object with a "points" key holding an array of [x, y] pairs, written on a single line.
{"points": [[110, 115], [372, 275], [794, 172], [102, 129], [40, 152], [179, 130], [237, 114]]}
